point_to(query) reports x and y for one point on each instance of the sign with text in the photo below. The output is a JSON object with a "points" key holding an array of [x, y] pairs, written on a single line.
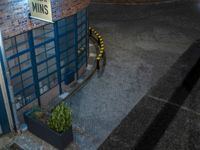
{"points": [[41, 9]]}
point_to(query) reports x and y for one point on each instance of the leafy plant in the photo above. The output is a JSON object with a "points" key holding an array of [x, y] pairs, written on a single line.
{"points": [[60, 119]]}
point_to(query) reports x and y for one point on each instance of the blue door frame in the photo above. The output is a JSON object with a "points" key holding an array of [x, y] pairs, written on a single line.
{"points": [[3, 115]]}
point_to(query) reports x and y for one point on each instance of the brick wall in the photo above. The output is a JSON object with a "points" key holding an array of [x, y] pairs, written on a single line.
{"points": [[14, 14]]}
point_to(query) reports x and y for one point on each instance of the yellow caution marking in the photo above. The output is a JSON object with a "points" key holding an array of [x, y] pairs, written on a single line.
{"points": [[98, 58], [102, 45], [101, 52]]}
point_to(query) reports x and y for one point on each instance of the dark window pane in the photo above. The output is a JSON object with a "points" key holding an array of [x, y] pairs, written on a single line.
{"points": [[51, 52], [42, 74], [50, 45], [27, 74], [24, 57], [25, 64], [13, 62], [51, 62], [14, 70], [40, 57], [39, 50], [17, 87], [52, 69], [22, 46], [41, 67], [11, 51], [29, 91], [28, 82]]}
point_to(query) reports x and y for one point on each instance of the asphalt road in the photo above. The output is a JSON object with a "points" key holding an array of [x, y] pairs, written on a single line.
{"points": [[142, 42]]}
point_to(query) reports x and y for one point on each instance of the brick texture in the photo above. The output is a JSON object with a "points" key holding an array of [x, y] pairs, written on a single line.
{"points": [[14, 14]]}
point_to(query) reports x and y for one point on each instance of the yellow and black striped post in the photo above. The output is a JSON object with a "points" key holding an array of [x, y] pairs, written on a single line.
{"points": [[101, 51], [98, 63], [90, 31]]}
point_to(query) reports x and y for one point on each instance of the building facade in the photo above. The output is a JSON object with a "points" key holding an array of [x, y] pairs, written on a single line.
{"points": [[39, 59]]}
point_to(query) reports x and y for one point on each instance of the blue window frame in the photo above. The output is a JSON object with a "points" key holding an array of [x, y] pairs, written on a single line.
{"points": [[67, 46], [45, 54], [42, 58], [20, 68], [82, 37]]}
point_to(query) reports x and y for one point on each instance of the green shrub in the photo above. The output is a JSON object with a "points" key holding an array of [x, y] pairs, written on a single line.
{"points": [[60, 119]]}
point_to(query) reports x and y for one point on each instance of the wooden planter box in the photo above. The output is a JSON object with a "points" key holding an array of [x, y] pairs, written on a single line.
{"points": [[41, 130]]}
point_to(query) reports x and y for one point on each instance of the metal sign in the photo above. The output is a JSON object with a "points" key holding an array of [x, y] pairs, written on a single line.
{"points": [[41, 9]]}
